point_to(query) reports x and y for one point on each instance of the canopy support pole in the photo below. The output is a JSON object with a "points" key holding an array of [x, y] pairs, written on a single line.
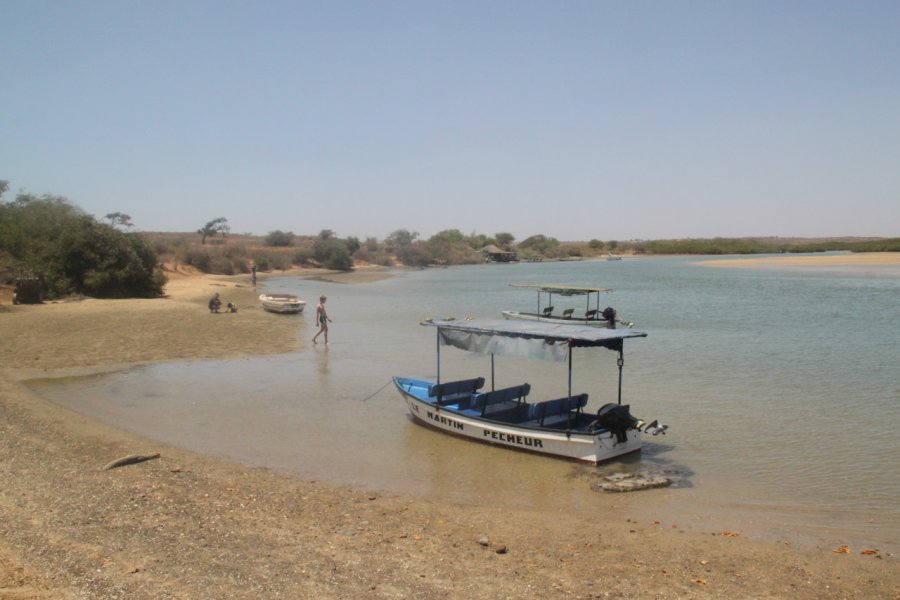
{"points": [[570, 371], [492, 371], [438, 338], [621, 363]]}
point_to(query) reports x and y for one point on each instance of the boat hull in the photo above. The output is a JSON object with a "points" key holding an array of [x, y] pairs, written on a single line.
{"points": [[284, 304], [523, 316], [581, 446]]}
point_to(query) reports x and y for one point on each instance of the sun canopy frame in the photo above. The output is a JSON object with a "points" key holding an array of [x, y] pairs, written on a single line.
{"points": [[563, 290], [566, 291], [530, 339]]}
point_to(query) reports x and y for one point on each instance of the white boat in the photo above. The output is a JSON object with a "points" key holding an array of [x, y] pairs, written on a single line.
{"points": [[559, 427], [592, 315], [611, 256], [282, 303]]}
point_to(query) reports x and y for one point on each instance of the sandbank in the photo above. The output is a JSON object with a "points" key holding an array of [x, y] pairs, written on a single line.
{"points": [[187, 525], [863, 259]]}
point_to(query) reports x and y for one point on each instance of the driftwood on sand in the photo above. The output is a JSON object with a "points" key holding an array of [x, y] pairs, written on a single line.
{"points": [[130, 460]]}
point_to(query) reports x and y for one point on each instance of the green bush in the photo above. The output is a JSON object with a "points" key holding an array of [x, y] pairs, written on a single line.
{"points": [[332, 253], [302, 256], [415, 255], [197, 258], [280, 238], [72, 253], [221, 265], [375, 257]]}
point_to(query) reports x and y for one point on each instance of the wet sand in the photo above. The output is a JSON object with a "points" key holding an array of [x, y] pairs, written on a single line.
{"points": [[191, 526]]}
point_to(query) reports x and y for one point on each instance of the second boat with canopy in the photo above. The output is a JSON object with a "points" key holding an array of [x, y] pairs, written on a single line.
{"points": [[546, 312]]}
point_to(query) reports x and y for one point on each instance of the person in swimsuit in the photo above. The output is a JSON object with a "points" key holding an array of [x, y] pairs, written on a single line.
{"points": [[322, 318]]}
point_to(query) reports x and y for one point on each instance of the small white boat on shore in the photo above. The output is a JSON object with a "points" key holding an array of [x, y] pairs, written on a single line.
{"points": [[285, 304]]}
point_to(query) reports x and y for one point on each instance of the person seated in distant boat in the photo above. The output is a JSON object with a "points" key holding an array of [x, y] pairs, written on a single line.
{"points": [[215, 303]]}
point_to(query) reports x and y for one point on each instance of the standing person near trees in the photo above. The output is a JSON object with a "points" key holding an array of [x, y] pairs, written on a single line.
{"points": [[322, 318]]}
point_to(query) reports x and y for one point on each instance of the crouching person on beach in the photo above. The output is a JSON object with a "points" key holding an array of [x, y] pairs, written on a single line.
{"points": [[215, 303]]}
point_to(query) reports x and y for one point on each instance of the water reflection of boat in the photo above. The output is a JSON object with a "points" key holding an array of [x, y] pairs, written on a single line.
{"points": [[560, 427], [282, 303], [591, 316]]}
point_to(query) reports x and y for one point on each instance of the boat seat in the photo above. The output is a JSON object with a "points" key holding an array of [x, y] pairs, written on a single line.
{"points": [[567, 314], [556, 408], [454, 389], [516, 392], [548, 311], [591, 314]]}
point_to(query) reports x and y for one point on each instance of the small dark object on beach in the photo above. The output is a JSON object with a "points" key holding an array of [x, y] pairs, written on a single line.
{"points": [[130, 460]]}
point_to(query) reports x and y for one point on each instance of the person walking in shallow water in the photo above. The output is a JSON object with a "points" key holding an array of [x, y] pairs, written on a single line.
{"points": [[322, 318]]}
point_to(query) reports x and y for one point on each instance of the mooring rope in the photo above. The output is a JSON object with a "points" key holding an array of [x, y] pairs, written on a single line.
{"points": [[370, 396]]}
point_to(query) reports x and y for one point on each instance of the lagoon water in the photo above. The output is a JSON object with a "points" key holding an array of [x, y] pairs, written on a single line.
{"points": [[781, 389]]}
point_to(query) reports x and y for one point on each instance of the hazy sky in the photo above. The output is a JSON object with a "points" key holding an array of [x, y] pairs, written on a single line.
{"points": [[577, 120]]}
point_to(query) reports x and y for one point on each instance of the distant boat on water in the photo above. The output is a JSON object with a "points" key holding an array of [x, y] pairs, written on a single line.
{"points": [[593, 316]]}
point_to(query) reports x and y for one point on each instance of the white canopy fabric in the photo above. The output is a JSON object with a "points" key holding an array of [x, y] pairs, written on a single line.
{"points": [[531, 339], [564, 290]]}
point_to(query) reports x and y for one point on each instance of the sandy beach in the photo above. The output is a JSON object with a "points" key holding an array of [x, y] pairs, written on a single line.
{"points": [[862, 259], [190, 526]]}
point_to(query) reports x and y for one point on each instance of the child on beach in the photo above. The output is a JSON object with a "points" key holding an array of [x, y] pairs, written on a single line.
{"points": [[215, 303], [322, 318]]}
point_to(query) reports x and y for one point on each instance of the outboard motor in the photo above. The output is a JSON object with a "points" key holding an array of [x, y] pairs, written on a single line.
{"points": [[609, 313], [617, 419]]}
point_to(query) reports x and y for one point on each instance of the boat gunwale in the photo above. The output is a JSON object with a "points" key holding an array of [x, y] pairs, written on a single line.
{"points": [[485, 419]]}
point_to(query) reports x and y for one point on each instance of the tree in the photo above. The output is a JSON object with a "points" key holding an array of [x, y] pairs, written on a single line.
{"points": [[595, 244], [280, 238], [332, 253], [118, 219], [450, 236], [540, 244], [451, 247], [73, 253], [219, 225], [504, 240], [400, 239], [415, 254]]}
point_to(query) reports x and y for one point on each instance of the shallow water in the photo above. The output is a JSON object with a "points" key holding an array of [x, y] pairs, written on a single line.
{"points": [[780, 388]]}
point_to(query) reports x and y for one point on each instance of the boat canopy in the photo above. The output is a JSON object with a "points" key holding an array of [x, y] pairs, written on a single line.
{"points": [[563, 290], [532, 339]]}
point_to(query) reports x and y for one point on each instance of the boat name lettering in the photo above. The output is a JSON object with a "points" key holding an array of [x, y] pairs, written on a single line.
{"points": [[521, 440], [444, 420]]}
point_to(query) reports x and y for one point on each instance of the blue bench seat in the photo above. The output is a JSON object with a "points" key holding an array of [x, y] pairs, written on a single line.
{"points": [[483, 401], [562, 407], [454, 391]]}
